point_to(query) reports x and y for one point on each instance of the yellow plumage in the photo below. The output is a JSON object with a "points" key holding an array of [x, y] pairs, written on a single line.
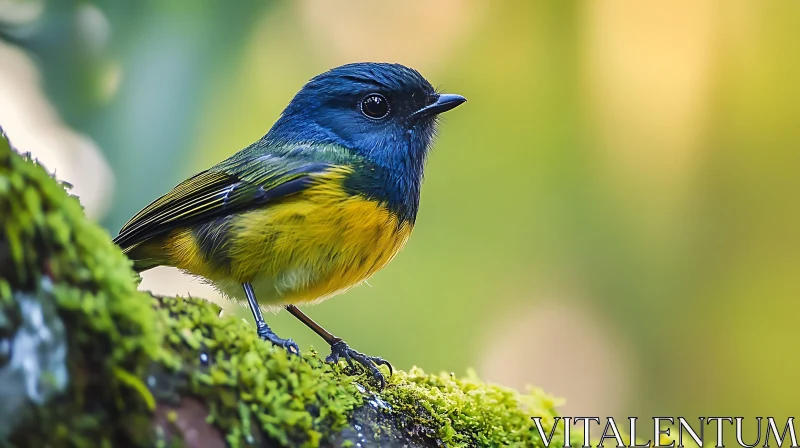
{"points": [[320, 242]]}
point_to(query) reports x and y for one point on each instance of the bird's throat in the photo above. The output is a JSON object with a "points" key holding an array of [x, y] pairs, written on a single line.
{"points": [[399, 191]]}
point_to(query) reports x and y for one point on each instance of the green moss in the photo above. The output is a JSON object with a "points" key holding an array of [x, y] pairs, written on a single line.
{"points": [[141, 370], [252, 388], [49, 250], [467, 412]]}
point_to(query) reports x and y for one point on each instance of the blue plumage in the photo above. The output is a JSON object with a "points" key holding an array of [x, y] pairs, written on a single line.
{"points": [[394, 148]]}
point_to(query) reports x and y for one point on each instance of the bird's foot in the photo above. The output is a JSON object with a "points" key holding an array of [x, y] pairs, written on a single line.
{"points": [[265, 333], [371, 363]]}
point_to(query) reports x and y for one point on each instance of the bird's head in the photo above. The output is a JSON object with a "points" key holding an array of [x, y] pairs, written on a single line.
{"points": [[384, 112]]}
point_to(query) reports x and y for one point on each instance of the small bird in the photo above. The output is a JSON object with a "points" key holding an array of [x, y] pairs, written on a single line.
{"points": [[319, 204]]}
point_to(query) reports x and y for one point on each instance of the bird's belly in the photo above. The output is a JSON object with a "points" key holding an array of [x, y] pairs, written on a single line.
{"points": [[309, 249]]}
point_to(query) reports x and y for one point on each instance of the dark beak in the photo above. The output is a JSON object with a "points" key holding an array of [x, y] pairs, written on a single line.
{"points": [[443, 103]]}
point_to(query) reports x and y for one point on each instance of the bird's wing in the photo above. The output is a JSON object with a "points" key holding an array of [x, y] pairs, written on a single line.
{"points": [[234, 186]]}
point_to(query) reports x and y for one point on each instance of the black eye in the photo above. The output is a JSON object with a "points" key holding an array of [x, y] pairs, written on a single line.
{"points": [[375, 106]]}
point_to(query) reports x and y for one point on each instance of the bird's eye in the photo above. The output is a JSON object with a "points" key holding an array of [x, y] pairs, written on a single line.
{"points": [[375, 106]]}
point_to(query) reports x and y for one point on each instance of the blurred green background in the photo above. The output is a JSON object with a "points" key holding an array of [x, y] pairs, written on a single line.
{"points": [[612, 216]]}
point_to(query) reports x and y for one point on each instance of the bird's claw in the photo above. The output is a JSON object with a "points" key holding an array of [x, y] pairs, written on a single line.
{"points": [[291, 347], [288, 344], [341, 349]]}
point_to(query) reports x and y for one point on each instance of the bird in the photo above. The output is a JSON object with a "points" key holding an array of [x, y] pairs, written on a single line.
{"points": [[315, 207]]}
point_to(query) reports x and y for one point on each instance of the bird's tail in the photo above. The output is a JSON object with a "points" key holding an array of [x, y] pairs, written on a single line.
{"points": [[145, 255]]}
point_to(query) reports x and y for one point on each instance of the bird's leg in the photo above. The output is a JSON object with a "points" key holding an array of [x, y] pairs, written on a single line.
{"points": [[261, 326], [340, 349]]}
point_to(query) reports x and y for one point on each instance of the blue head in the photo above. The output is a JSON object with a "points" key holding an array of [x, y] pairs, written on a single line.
{"points": [[385, 113]]}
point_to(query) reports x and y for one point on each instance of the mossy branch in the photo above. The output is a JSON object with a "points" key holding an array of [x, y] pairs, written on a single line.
{"points": [[87, 360]]}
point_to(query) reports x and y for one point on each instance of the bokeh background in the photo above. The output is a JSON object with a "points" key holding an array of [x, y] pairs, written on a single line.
{"points": [[613, 216]]}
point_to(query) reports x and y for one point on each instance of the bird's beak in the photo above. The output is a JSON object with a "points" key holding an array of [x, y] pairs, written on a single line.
{"points": [[443, 103]]}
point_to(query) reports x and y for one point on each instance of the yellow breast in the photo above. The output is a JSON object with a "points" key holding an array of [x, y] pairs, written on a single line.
{"points": [[315, 245]]}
